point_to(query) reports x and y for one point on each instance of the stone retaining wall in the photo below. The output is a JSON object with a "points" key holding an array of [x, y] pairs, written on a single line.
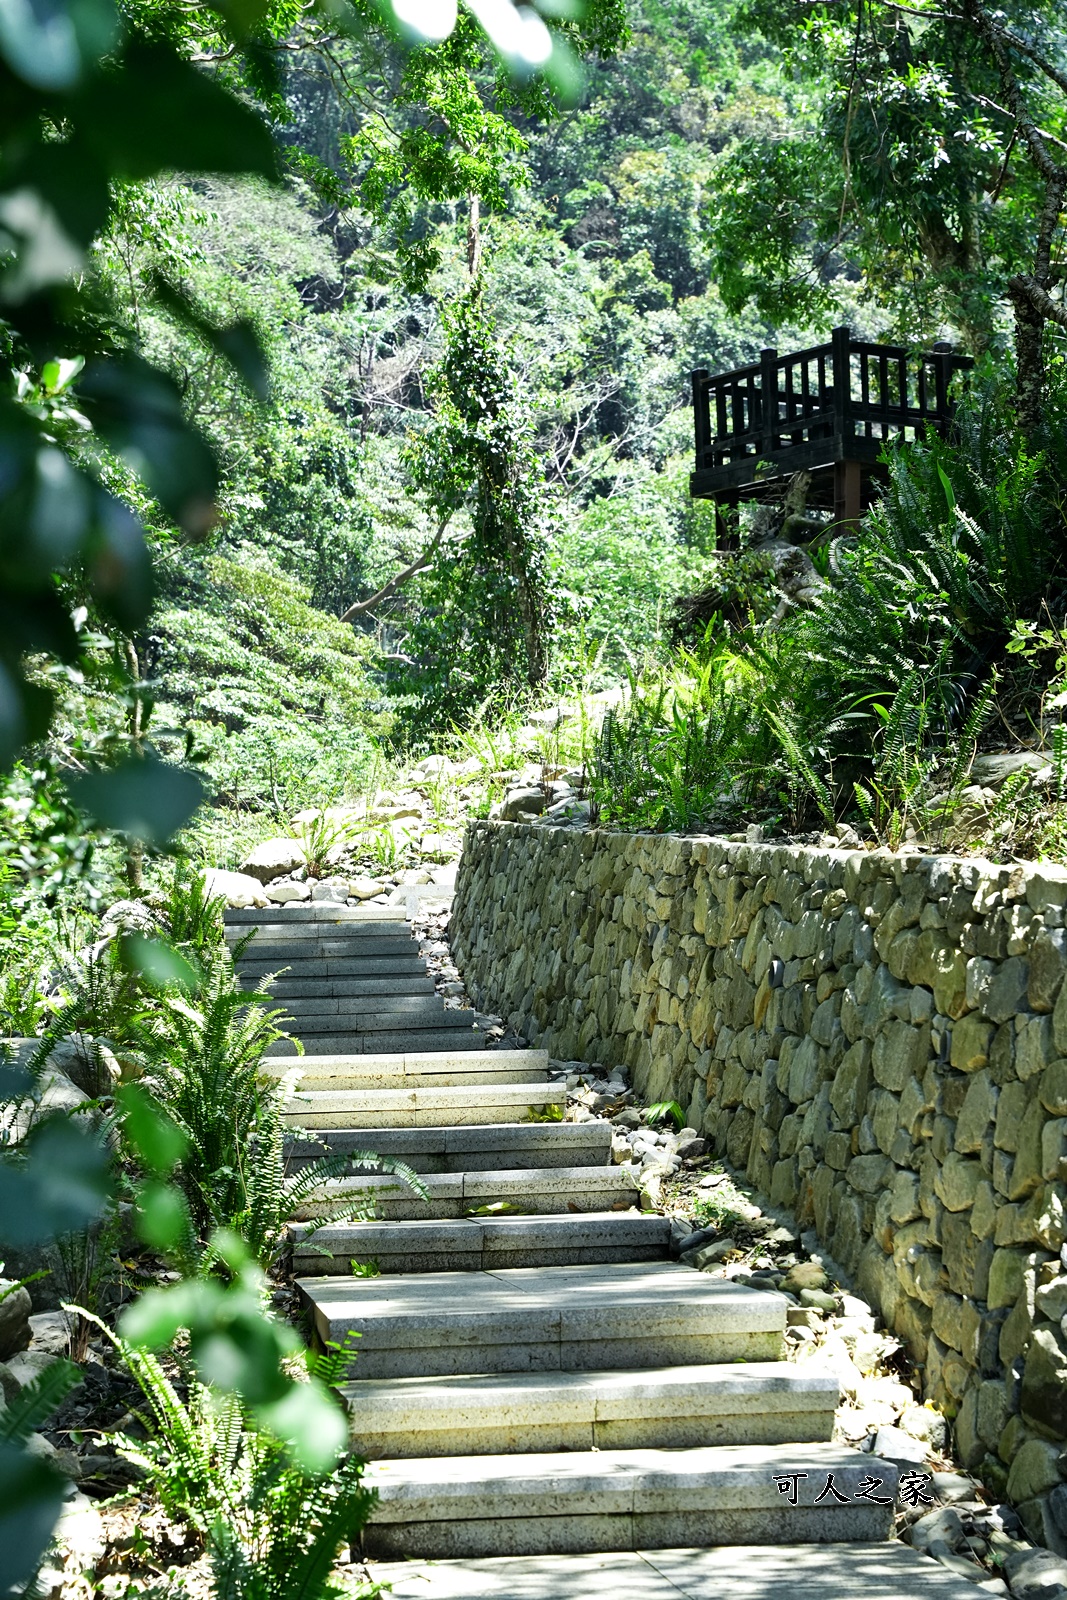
{"points": [[879, 1041]]}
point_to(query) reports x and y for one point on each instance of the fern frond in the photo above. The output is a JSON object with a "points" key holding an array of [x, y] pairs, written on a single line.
{"points": [[36, 1402]]}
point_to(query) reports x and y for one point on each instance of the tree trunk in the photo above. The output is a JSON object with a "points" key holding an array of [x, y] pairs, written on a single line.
{"points": [[134, 864], [1029, 364], [474, 237]]}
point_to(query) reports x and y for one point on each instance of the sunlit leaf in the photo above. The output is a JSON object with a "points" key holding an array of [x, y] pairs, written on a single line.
{"points": [[157, 961], [162, 1216], [59, 375], [313, 1425], [157, 1139], [155, 1318]]}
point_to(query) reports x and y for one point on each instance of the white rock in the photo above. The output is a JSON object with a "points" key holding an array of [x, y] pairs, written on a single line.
{"points": [[366, 888], [1034, 1574], [15, 1322], [944, 1523], [436, 766], [81, 1532], [924, 1423], [272, 859], [332, 893], [236, 888], [896, 1445], [28, 1366], [281, 894]]}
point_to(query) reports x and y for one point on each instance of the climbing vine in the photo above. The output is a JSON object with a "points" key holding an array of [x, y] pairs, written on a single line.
{"points": [[488, 604]]}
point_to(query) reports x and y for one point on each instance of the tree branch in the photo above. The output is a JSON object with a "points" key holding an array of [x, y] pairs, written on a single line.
{"points": [[387, 590], [1025, 288]]}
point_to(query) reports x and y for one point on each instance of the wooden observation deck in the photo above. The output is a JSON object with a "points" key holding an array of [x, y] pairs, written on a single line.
{"points": [[829, 411]]}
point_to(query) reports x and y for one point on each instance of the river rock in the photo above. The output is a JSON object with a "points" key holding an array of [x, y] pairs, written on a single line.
{"points": [[273, 859], [15, 1309], [282, 894], [239, 889]]}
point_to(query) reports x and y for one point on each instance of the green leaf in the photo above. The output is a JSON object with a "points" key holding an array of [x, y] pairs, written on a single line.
{"points": [[158, 962], [60, 374], [146, 798], [310, 1423], [62, 1185], [158, 113], [663, 1109], [162, 1216], [48, 44], [138, 411], [237, 343], [159, 1314], [157, 1139], [34, 1404]]}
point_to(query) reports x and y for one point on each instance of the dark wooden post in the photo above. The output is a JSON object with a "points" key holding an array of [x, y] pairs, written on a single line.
{"points": [[768, 403], [848, 476], [841, 361], [941, 356], [701, 417]]}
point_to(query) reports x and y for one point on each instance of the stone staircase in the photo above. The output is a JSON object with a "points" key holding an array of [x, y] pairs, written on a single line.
{"points": [[352, 980], [534, 1375]]}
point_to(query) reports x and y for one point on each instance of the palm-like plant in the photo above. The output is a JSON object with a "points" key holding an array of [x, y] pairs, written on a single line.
{"points": [[203, 1060], [272, 1530]]}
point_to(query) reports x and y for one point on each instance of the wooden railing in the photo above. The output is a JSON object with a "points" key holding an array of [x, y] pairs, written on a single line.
{"points": [[834, 402]]}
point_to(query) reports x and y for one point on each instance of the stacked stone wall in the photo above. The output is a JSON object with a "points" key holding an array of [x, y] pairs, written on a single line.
{"points": [[879, 1041]]}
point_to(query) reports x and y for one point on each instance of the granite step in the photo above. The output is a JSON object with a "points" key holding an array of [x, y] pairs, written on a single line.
{"points": [[317, 911], [544, 1319], [763, 1402], [337, 946], [384, 984], [384, 1019], [448, 1069], [838, 1571], [479, 1149], [316, 964], [321, 1007], [400, 966], [529, 1191], [455, 1506], [311, 933], [433, 1107], [393, 1039], [482, 1244]]}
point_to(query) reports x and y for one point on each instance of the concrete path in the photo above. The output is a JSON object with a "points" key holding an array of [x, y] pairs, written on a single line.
{"points": [[758, 1572], [535, 1378]]}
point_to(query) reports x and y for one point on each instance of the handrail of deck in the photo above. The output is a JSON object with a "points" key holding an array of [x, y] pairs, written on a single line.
{"points": [[826, 403]]}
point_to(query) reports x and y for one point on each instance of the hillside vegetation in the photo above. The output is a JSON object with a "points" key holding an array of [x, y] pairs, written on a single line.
{"points": [[344, 495]]}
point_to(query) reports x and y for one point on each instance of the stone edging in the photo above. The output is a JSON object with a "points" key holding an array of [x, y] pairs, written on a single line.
{"points": [[878, 1040]]}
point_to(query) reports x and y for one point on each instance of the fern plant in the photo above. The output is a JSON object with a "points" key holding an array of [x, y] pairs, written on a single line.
{"points": [[272, 1531], [193, 916], [203, 1060]]}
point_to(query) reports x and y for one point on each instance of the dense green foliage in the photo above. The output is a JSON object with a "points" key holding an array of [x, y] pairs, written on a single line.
{"points": [[348, 414]]}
